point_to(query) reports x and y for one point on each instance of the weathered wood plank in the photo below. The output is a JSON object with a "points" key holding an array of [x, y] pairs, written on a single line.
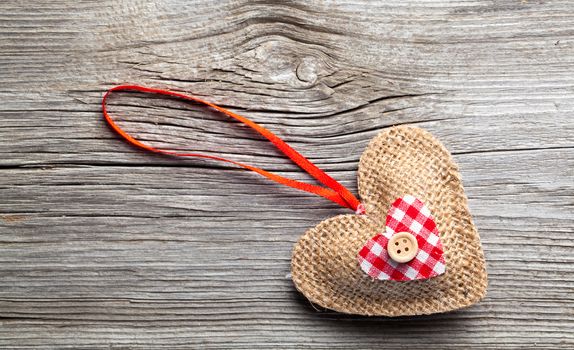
{"points": [[104, 246]]}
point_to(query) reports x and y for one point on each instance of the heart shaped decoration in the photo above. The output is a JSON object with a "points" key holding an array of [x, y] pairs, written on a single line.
{"points": [[398, 162], [386, 258]]}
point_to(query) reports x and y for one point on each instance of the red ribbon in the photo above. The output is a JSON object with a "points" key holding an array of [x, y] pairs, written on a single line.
{"points": [[334, 190]]}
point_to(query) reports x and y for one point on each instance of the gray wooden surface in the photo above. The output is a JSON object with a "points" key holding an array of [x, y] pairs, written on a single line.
{"points": [[105, 246]]}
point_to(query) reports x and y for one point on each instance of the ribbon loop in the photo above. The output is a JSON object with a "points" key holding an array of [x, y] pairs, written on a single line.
{"points": [[333, 191]]}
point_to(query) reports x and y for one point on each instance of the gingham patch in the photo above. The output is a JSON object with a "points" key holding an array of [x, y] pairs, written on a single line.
{"points": [[407, 214]]}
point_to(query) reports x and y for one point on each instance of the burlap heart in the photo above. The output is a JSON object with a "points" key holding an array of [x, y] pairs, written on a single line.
{"points": [[399, 161]]}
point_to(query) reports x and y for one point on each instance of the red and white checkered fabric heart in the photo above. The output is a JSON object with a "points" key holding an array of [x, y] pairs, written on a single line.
{"points": [[407, 214]]}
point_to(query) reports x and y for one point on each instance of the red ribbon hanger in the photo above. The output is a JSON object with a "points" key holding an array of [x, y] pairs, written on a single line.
{"points": [[334, 190]]}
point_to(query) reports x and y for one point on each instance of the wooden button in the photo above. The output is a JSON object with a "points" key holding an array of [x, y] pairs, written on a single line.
{"points": [[402, 247]]}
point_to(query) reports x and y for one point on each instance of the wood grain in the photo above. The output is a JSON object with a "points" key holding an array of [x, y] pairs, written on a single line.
{"points": [[104, 246]]}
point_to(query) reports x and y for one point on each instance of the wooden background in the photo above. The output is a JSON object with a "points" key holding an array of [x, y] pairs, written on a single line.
{"points": [[105, 246]]}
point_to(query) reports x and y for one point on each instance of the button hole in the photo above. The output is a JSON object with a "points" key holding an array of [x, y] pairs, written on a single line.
{"points": [[406, 249], [398, 252], [396, 243]]}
